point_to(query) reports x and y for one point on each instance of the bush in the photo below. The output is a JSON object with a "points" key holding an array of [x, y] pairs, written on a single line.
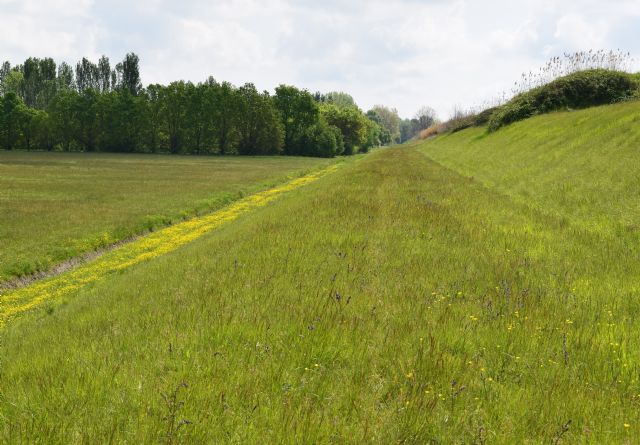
{"points": [[321, 140], [579, 90]]}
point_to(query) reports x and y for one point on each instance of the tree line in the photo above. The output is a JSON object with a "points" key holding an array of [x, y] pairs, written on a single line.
{"points": [[97, 107]]}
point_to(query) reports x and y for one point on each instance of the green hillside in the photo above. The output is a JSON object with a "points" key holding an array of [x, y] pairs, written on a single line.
{"points": [[581, 166]]}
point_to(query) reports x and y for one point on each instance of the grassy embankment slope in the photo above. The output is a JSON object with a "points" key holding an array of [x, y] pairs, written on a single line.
{"points": [[56, 206], [393, 301], [581, 166]]}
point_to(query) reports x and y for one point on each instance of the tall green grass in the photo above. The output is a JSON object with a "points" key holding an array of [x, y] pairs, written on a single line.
{"points": [[394, 301]]}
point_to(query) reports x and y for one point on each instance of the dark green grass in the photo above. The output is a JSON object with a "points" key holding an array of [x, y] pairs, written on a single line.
{"points": [[394, 301], [55, 206]]}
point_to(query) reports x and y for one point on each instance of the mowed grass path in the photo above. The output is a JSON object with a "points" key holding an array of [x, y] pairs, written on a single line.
{"points": [[393, 301], [56, 206]]}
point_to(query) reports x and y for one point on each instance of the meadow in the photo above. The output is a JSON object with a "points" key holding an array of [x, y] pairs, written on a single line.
{"points": [[56, 206], [418, 295], [581, 166]]}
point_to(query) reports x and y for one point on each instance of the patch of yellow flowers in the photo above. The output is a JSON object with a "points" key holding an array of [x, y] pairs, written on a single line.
{"points": [[155, 244]]}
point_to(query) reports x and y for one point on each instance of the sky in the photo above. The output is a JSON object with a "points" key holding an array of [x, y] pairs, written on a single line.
{"points": [[401, 53]]}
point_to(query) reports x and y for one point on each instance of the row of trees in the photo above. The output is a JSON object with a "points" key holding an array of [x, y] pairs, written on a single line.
{"points": [[95, 107], [397, 130]]}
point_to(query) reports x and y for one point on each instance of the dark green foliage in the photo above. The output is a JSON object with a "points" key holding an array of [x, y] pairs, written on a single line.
{"points": [[579, 90], [298, 111], [389, 120], [351, 123], [13, 113], [484, 116], [104, 74], [382, 135], [260, 131], [225, 116], [325, 125], [63, 118], [64, 80], [39, 77], [131, 74], [173, 111], [97, 108], [320, 139], [87, 75]]}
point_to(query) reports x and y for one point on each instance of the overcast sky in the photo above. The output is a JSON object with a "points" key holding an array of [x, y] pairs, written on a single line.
{"points": [[402, 53]]}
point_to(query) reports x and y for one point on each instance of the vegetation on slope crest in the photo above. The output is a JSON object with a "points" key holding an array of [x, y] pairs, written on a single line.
{"points": [[580, 166], [573, 81], [578, 90]]}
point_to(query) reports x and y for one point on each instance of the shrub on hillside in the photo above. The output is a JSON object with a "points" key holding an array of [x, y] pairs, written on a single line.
{"points": [[579, 90]]}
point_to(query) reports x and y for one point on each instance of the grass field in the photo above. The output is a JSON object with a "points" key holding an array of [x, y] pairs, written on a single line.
{"points": [[396, 300], [55, 206], [22, 299], [581, 166]]}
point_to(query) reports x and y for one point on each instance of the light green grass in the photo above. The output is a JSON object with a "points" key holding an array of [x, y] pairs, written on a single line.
{"points": [[582, 166], [394, 301], [55, 206]]}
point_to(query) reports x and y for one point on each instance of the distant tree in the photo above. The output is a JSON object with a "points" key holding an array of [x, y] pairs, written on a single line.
{"points": [[225, 101], [31, 76], [389, 120], [320, 139], [5, 69], [87, 75], [339, 99], [425, 117], [407, 130], [47, 83], [374, 134], [94, 107], [104, 75], [63, 118], [11, 116], [381, 134], [30, 122], [260, 130], [39, 130], [351, 123], [173, 107], [198, 134], [153, 117], [127, 119], [13, 82], [131, 74], [65, 79], [85, 110], [298, 111]]}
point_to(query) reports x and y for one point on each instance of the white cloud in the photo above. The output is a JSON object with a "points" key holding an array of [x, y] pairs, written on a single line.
{"points": [[405, 53], [58, 29], [575, 31]]}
